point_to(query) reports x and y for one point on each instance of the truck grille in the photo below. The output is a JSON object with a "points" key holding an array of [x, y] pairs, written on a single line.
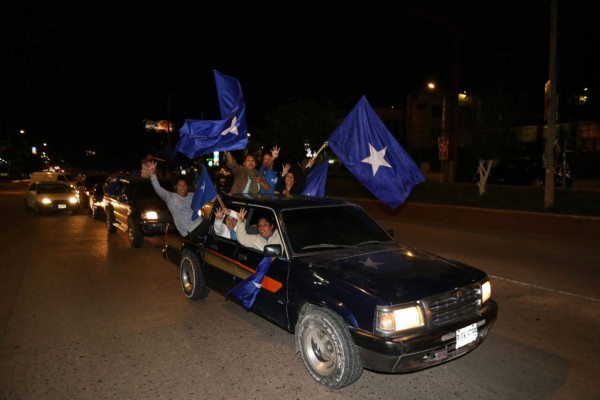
{"points": [[454, 305]]}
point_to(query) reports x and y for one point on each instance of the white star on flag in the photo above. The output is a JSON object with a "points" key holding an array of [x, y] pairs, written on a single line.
{"points": [[370, 263], [233, 129], [376, 159]]}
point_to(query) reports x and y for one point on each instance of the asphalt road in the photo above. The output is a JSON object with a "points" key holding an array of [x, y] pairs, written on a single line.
{"points": [[85, 316]]}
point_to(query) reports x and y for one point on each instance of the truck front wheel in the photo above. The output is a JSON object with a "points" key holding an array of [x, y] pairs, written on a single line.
{"points": [[327, 349]]}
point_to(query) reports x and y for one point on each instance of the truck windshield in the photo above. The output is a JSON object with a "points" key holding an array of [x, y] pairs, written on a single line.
{"points": [[324, 228]]}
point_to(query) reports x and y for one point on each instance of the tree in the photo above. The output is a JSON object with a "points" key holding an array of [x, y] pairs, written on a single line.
{"points": [[486, 124]]}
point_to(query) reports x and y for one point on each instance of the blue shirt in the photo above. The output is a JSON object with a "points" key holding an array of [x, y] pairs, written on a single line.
{"points": [[271, 177]]}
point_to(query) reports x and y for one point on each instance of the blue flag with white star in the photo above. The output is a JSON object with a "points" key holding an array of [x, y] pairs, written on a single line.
{"points": [[200, 137], [245, 291], [316, 180], [231, 101], [368, 149], [204, 192]]}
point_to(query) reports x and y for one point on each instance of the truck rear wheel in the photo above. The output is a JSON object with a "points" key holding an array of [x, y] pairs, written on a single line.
{"points": [[191, 276]]}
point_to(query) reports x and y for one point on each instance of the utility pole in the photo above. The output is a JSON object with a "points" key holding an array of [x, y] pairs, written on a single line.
{"points": [[169, 120], [549, 183], [457, 34]]}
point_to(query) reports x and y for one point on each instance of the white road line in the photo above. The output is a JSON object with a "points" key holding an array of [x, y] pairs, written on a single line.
{"points": [[545, 288]]}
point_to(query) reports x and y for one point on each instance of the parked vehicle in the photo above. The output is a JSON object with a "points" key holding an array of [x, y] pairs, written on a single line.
{"points": [[51, 196], [352, 295], [133, 206]]}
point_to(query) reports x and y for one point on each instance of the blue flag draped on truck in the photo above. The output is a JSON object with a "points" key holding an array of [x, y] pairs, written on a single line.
{"points": [[200, 137], [245, 291], [316, 180], [368, 149], [204, 192]]}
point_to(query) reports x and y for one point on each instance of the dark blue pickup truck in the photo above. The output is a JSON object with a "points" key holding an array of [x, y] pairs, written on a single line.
{"points": [[352, 295]]}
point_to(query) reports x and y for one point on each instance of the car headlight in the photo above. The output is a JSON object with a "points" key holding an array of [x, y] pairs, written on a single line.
{"points": [[390, 320], [73, 200], [150, 215], [46, 200], [486, 291]]}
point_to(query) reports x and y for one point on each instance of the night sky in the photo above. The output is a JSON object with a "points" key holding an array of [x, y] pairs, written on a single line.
{"points": [[96, 70]]}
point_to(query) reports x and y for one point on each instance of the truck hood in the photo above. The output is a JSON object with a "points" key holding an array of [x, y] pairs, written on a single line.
{"points": [[396, 275]]}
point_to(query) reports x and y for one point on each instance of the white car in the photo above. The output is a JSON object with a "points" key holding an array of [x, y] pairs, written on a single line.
{"points": [[51, 196], [68, 178]]}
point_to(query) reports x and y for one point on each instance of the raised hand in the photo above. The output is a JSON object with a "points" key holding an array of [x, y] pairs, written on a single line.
{"points": [[241, 215], [152, 167], [286, 169], [275, 152]]}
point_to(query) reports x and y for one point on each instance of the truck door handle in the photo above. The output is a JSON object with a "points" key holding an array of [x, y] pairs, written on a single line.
{"points": [[242, 257]]}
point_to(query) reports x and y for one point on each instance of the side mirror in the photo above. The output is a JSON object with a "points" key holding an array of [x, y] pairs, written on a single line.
{"points": [[273, 250]]}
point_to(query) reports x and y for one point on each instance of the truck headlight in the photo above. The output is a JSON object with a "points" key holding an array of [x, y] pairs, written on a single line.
{"points": [[391, 320], [486, 291], [46, 200], [150, 215], [73, 200]]}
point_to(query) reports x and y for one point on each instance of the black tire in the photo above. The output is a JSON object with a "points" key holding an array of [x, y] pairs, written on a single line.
{"points": [[134, 233], [110, 221], [326, 347], [191, 276]]}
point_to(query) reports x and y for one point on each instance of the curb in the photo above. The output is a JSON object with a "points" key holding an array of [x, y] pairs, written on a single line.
{"points": [[568, 226]]}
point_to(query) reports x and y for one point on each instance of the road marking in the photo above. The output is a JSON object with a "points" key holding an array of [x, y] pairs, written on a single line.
{"points": [[545, 288]]}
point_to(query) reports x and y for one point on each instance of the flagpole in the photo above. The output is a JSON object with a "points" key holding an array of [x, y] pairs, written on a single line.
{"points": [[221, 202], [312, 160], [321, 149]]}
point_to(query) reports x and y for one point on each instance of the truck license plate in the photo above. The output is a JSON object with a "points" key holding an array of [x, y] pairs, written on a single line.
{"points": [[62, 206], [466, 335]]}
